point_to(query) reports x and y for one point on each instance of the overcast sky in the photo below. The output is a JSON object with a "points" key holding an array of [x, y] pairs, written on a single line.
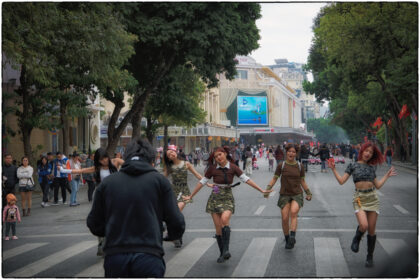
{"points": [[285, 30]]}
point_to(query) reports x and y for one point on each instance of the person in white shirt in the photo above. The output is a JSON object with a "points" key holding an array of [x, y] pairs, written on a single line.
{"points": [[26, 185]]}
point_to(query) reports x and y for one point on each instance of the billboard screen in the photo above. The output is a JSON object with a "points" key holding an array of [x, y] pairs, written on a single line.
{"points": [[252, 110]]}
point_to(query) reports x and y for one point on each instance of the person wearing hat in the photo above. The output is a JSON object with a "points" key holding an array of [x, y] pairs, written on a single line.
{"points": [[11, 215], [74, 179], [177, 168]]}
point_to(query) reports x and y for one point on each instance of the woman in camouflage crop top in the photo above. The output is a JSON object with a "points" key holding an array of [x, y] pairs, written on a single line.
{"points": [[178, 169], [365, 198]]}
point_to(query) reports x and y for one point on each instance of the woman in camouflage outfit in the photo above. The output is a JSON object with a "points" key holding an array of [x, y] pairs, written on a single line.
{"points": [[221, 204], [177, 169]]}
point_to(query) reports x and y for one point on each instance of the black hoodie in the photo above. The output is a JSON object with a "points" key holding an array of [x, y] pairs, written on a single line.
{"points": [[129, 207]]}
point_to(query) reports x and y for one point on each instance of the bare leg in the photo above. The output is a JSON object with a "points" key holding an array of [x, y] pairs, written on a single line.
{"points": [[23, 196], [294, 210], [285, 218], [363, 221], [181, 206], [217, 222], [29, 198], [225, 218], [372, 217]]}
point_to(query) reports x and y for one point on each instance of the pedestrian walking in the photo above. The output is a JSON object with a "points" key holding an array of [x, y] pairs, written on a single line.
{"points": [[291, 195], [270, 159], [26, 185], [365, 198], [304, 156], [195, 158], [74, 179], [237, 154], [50, 158], [324, 155], [177, 169], [278, 154], [221, 205], [89, 176], [9, 176], [11, 215], [44, 171], [389, 154], [248, 166], [60, 178], [128, 210]]}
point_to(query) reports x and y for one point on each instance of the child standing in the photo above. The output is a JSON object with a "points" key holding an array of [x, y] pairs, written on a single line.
{"points": [[11, 215]]}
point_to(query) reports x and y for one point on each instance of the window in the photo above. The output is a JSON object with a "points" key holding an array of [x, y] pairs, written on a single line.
{"points": [[242, 74]]}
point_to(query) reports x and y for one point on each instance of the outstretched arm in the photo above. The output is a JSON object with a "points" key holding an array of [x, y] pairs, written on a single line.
{"points": [[340, 179], [391, 172], [255, 186], [193, 171], [78, 171], [117, 162], [195, 191]]}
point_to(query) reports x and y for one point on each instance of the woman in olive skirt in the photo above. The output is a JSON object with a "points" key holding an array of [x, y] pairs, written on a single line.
{"points": [[291, 195], [177, 169], [365, 198], [221, 204]]}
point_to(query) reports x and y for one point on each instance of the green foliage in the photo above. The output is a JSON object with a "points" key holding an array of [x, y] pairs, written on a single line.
{"points": [[364, 59], [326, 132]]}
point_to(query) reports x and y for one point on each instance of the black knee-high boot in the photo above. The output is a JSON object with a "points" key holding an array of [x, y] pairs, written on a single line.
{"points": [[371, 240], [356, 240], [286, 239], [220, 244], [292, 240], [225, 242]]}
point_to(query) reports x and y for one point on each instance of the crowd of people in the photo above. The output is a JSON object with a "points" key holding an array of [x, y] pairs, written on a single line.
{"points": [[134, 204]]}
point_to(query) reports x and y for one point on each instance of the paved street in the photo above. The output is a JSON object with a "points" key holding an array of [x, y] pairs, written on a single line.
{"points": [[55, 242]]}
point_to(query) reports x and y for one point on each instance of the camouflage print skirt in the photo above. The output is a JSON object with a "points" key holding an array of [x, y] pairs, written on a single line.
{"points": [[220, 202], [180, 190]]}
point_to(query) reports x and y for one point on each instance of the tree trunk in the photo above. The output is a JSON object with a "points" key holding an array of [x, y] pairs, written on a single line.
{"points": [[136, 124], [165, 137], [113, 141], [65, 127], [149, 130]]}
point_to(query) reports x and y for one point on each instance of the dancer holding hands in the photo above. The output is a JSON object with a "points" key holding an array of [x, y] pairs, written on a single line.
{"points": [[291, 195], [221, 204], [365, 198]]}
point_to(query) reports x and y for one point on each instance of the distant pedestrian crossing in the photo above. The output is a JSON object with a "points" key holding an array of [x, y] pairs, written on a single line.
{"points": [[329, 258]]}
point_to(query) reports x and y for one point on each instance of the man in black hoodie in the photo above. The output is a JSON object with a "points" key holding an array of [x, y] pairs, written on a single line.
{"points": [[128, 209], [9, 177]]}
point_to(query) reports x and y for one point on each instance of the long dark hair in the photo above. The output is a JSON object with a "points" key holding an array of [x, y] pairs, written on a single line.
{"points": [[168, 163], [225, 150], [100, 154]]}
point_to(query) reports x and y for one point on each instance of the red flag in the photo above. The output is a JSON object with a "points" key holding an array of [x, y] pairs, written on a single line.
{"points": [[404, 112], [378, 122]]}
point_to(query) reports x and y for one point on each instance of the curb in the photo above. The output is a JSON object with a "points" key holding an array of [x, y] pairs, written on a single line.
{"points": [[408, 166]]}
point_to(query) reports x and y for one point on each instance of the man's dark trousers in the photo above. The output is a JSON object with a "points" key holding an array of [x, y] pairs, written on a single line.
{"points": [[138, 265]]}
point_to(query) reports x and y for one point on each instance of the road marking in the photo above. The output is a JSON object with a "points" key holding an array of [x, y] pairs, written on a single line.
{"points": [[96, 270], [329, 258], [181, 263], [259, 210], [302, 229], [21, 249], [255, 260], [57, 235], [379, 193], [401, 209], [34, 268], [392, 246]]}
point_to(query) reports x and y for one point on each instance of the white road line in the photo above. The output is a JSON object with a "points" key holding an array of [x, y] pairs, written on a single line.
{"points": [[34, 268], [57, 235], [255, 260], [329, 258], [259, 210], [401, 209], [302, 230], [379, 193], [21, 249], [96, 270], [179, 265], [393, 246]]}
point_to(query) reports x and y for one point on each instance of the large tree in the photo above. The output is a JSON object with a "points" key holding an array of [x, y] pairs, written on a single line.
{"points": [[177, 102], [364, 58], [207, 36], [61, 49]]}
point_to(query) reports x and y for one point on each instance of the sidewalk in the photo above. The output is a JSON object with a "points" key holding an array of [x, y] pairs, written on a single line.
{"points": [[406, 164]]}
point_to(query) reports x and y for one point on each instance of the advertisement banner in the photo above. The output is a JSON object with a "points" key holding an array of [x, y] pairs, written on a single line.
{"points": [[252, 110]]}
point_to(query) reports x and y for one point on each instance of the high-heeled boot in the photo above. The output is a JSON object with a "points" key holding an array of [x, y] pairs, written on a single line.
{"points": [[225, 242], [24, 212], [29, 212], [371, 240], [220, 259], [356, 240]]}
